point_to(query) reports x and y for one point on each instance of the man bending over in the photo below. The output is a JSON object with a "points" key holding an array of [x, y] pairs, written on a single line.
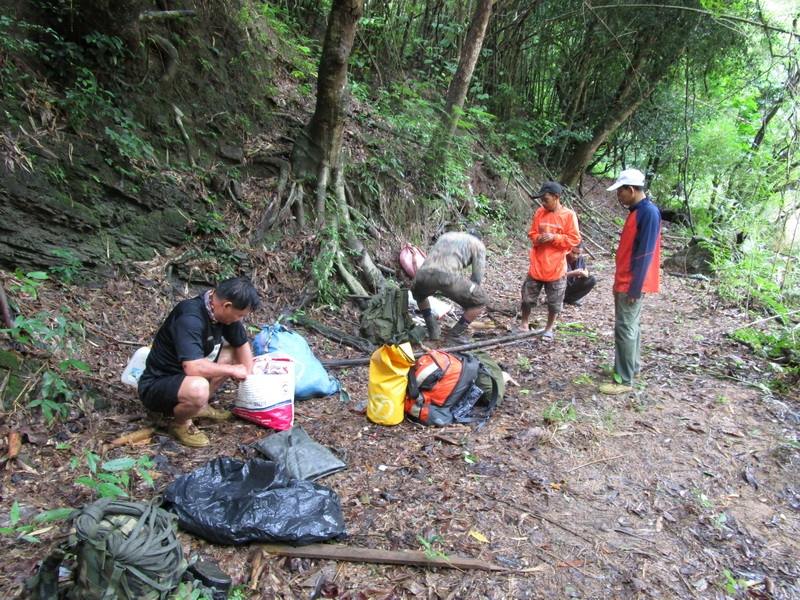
{"points": [[442, 273]]}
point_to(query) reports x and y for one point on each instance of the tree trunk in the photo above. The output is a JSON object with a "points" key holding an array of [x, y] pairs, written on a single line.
{"points": [[789, 90], [583, 153], [317, 151], [470, 51], [632, 92]]}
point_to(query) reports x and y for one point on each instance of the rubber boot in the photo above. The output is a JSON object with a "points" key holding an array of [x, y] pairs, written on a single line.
{"points": [[434, 330], [458, 333]]}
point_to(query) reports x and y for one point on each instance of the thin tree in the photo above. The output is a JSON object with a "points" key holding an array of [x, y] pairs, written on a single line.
{"points": [[317, 151], [470, 52]]}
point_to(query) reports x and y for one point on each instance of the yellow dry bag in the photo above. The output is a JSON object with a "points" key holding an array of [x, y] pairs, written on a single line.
{"points": [[388, 377]]}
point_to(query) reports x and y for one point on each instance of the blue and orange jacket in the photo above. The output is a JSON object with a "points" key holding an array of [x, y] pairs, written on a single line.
{"points": [[639, 251]]}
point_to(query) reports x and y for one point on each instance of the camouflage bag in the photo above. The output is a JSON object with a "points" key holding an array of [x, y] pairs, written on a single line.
{"points": [[490, 379], [385, 320]]}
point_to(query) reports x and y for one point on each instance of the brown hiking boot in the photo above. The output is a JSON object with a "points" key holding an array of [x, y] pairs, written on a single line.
{"points": [[214, 414], [189, 435]]}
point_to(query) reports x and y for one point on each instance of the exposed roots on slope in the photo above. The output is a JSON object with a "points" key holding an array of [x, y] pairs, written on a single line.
{"points": [[342, 242]]}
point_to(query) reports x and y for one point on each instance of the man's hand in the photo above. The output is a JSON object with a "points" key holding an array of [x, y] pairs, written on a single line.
{"points": [[583, 273], [239, 372], [546, 237], [631, 299]]}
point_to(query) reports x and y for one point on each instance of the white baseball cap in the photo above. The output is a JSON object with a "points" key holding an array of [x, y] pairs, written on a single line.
{"points": [[628, 177]]}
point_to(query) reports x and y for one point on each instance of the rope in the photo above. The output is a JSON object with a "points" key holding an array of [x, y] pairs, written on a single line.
{"points": [[150, 552]]}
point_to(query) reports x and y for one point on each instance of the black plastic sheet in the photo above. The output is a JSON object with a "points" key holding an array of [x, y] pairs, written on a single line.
{"points": [[228, 501]]}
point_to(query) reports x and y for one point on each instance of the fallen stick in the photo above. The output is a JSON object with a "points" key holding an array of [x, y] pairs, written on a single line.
{"points": [[371, 555], [594, 462], [336, 335], [501, 341], [255, 572], [14, 445], [161, 15], [110, 337], [695, 276], [130, 438], [764, 320]]}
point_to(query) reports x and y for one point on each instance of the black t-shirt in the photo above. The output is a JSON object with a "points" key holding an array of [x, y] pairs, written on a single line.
{"points": [[189, 334]]}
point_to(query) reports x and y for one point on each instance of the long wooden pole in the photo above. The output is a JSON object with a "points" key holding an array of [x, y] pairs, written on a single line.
{"points": [[501, 341]]}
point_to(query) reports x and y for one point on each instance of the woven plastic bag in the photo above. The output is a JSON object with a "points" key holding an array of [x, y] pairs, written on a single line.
{"points": [[388, 377], [311, 378], [267, 396]]}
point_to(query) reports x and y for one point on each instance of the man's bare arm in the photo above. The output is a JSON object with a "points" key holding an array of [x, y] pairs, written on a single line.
{"points": [[202, 367], [244, 356]]}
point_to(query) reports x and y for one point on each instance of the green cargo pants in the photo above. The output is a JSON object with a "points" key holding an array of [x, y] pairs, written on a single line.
{"points": [[627, 340]]}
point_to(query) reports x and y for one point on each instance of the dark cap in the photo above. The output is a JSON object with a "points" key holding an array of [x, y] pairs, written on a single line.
{"points": [[549, 187]]}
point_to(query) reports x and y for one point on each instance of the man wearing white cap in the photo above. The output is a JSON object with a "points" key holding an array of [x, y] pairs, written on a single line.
{"points": [[638, 260]]}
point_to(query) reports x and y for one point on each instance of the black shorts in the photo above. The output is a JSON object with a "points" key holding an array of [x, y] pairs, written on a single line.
{"points": [[160, 394]]}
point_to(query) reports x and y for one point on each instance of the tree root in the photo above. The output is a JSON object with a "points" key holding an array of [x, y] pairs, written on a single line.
{"points": [[171, 67], [371, 272], [186, 141], [272, 213], [5, 310], [278, 212], [321, 194]]}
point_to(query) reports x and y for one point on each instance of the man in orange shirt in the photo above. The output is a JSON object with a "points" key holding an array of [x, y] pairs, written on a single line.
{"points": [[553, 233]]}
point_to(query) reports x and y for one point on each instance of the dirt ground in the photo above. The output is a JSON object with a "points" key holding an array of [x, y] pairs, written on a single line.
{"points": [[686, 488]]}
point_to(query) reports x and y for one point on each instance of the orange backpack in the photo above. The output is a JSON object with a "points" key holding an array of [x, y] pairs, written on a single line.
{"points": [[437, 384]]}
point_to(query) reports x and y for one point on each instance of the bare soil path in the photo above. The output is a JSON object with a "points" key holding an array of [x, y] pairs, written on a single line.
{"points": [[686, 488]]}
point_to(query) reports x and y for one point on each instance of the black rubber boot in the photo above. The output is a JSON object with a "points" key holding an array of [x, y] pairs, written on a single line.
{"points": [[458, 333], [434, 330]]}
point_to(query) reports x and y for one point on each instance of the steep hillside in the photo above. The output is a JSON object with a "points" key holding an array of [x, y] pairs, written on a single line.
{"points": [[117, 143]]}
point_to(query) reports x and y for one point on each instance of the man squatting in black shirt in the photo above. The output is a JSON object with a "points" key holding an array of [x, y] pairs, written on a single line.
{"points": [[188, 362]]}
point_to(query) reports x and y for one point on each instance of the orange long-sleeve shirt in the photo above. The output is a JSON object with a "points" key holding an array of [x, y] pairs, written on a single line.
{"points": [[548, 259]]}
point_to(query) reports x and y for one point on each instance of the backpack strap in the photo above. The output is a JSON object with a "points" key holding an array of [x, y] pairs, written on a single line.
{"points": [[44, 585], [469, 373]]}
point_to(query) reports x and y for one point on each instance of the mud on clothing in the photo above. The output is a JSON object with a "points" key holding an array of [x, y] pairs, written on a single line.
{"points": [[442, 270], [458, 288], [188, 333], [547, 260]]}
